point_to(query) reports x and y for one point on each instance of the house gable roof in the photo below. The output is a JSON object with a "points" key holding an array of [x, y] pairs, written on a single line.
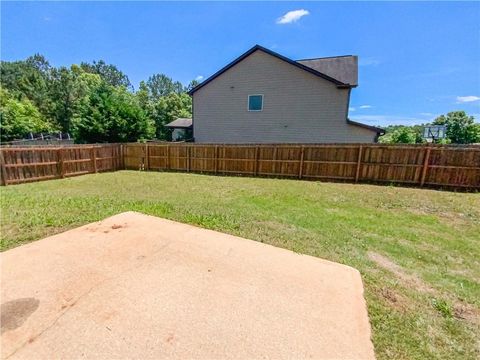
{"points": [[343, 68], [378, 130], [278, 56]]}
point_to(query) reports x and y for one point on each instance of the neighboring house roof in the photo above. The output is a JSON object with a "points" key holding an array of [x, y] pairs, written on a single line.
{"points": [[378, 130], [180, 123], [343, 68], [309, 68]]}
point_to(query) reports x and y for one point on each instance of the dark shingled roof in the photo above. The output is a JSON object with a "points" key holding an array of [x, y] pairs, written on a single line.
{"points": [[180, 123], [378, 130], [343, 68], [309, 68]]}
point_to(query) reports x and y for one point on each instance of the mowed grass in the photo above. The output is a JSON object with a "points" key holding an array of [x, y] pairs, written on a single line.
{"points": [[417, 250]]}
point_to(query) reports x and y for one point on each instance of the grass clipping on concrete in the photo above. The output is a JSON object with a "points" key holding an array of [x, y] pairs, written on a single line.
{"points": [[417, 250]]}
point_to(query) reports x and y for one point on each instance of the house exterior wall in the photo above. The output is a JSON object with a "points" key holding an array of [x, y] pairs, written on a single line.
{"points": [[298, 107]]}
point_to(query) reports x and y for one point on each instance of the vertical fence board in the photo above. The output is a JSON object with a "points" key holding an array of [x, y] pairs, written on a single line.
{"points": [[3, 172], [425, 165]]}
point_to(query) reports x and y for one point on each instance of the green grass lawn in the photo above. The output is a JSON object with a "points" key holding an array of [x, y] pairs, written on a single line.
{"points": [[418, 250]]}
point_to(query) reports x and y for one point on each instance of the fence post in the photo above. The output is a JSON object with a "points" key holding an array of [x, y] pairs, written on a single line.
{"points": [[146, 158], [61, 165], [425, 165], [359, 163], [216, 159], [3, 173], [120, 156], [300, 168], [93, 156], [274, 160], [188, 158], [125, 155], [257, 155], [167, 161], [114, 157]]}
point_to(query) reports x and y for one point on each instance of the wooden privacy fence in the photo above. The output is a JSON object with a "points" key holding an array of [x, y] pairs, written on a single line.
{"points": [[438, 166], [435, 166], [19, 165]]}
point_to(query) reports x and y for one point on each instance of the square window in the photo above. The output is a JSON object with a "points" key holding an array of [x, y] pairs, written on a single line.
{"points": [[255, 102]]}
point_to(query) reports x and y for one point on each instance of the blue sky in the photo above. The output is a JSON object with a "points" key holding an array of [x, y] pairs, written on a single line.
{"points": [[417, 60]]}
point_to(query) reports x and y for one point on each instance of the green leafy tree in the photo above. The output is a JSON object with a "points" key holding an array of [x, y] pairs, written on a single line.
{"points": [[109, 73], [91, 101], [68, 88], [29, 79], [40, 63], [191, 85], [160, 85], [111, 114], [169, 108], [404, 135], [18, 118], [143, 96], [461, 128], [399, 134]]}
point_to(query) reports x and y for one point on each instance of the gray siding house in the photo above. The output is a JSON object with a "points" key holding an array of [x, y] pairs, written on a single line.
{"points": [[264, 97]]}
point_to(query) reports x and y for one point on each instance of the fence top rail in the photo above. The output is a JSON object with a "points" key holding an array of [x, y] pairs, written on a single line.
{"points": [[299, 145], [56, 147]]}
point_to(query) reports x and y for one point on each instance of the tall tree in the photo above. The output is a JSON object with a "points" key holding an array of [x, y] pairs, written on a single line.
{"points": [[68, 88], [39, 62], [109, 73], [28, 79], [111, 114], [160, 85], [191, 85], [461, 128]]}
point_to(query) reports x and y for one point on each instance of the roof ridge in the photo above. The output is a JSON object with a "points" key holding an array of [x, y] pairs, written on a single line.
{"points": [[370, 127], [325, 57]]}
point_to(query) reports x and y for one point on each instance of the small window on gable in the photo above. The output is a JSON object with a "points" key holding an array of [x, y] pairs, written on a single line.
{"points": [[255, 102]]}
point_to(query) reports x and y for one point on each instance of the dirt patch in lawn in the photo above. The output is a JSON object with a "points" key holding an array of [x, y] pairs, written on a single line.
{"points": [[460, 310], [409, 280], [394, 299], [467, 312]]}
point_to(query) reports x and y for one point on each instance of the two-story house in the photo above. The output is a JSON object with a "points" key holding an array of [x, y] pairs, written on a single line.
{"points": [[264, 97]]}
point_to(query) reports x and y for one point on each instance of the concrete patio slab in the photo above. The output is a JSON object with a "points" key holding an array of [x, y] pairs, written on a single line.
{"points": [[137, 286]]}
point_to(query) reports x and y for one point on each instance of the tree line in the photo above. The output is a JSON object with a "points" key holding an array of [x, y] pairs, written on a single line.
{"points": [[94, 102], [460, 129]]}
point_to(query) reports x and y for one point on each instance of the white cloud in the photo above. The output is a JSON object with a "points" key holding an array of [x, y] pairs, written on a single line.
{"points": [[351, 109], [199, 78], [292, 16], [465, 99], [365, 106], [47, 18]]}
